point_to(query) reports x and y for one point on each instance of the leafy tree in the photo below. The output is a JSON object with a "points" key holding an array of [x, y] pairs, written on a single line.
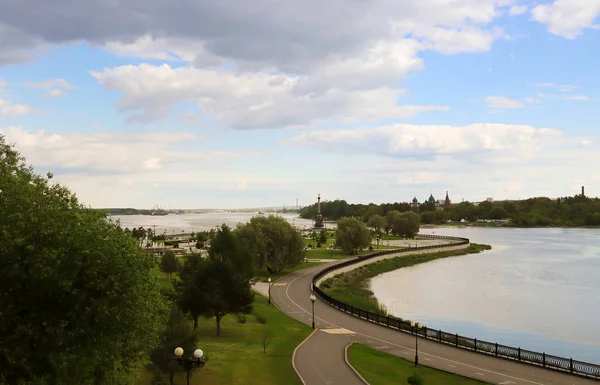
{"points": [[352, 235], [218, 285], [377, 223], [190, 287], [413, 224], [498, 213], [274, 242], [428, 217], [78, 305], [177, 332], [169, 263], [323, 236]]}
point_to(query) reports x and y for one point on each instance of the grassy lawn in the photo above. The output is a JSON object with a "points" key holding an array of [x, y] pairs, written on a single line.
{"points": [[236, 357], [352, 287], [380, 368], [264, 276]]}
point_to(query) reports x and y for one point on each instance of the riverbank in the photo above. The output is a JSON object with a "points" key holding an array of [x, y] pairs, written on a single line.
{"points": [[353, 287]]}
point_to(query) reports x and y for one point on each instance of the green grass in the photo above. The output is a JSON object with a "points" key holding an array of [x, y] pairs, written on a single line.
{"points": [[236, 357], [323, 253], [352, 287], [264, 276], [380, 368]]}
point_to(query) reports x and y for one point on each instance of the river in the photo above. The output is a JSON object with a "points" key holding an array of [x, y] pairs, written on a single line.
{"points": [[537, 288], [177, 223]]}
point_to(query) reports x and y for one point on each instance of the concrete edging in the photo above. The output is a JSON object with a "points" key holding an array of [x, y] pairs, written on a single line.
{"points": [[354, 266], [352, 367]]}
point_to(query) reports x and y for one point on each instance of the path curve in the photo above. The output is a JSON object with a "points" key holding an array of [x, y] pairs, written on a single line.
{"points": [[320, 359]]}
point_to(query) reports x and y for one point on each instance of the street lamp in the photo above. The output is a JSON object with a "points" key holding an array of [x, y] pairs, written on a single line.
{"points": [[269, 281], [378, 239], [313, 299], [331, 251], [189, 363], [416, 331]]}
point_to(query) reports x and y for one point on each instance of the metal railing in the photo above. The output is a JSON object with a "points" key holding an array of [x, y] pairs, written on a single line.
{"points": [[567, 365]]}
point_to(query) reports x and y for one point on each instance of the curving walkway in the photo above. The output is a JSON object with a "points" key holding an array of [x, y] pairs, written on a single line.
{"points": [[320, 359]]}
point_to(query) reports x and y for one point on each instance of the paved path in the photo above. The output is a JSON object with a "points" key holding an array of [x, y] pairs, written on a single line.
{"points": [[320, 359]]}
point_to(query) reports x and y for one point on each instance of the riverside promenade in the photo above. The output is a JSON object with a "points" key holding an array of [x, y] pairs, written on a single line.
{"points": [[321, 360]]}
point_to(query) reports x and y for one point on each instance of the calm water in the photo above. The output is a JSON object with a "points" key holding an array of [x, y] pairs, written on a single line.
{"points": [[176, 223], [538, 289]]}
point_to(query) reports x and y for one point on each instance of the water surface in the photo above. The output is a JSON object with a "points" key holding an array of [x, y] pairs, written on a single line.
{"points": [[538, 289]]}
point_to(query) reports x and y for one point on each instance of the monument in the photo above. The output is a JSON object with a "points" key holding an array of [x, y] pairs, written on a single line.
{"points": [[319, 224]]}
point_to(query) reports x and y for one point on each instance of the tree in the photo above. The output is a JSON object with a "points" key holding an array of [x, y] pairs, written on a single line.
{"points": [[218, 285], [323, 236], [169, 263], [274, 242], [352, 235], [78, 303], [377, 223], [177, 332], [498, 213], [189, 289], [266, 338], [413, 224]]}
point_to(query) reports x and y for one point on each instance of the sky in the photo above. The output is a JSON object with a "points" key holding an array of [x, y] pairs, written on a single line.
{"points": [[235, 104]]}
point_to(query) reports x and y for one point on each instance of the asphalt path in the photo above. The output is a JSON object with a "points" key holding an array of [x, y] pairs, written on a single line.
{"points": [[320, 359]]}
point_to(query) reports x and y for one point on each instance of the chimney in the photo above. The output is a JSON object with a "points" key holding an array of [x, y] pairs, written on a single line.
{"points": [[583, 191]]}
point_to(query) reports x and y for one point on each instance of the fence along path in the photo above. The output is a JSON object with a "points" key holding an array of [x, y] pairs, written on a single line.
{"points": [[569, 365]]}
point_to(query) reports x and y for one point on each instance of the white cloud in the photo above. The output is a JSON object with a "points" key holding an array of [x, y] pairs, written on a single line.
{"points": [[2, 83], [52, 83], [577, 97], [54, 94], [405, 141], [532, 100], [503, 102], [517, 10], [110, 152], [567, 18], [260, 100], [8, 109], [545, 84]]}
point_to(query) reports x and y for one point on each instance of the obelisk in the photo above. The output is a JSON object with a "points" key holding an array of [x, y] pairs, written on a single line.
{"points": [[319, 224]]}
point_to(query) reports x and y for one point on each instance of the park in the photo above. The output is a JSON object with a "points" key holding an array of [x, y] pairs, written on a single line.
{"points": [[84, 301]]}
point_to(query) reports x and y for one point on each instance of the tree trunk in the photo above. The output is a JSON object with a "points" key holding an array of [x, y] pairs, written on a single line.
{"points": [[218, 318]]}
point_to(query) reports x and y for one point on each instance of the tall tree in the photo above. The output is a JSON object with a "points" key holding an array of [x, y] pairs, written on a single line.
{"points": [[218, 285], [177, 333], [274, 242], [377, 223], [352, 235], [78, 305], [169, 263]]}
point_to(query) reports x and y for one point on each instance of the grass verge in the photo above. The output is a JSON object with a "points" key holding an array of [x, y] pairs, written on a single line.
{"points": [[380, 368], [353, 288], [236, 357], [264, 276]]}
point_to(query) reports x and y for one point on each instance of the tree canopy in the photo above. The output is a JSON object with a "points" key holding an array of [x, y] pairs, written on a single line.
{"points": [[218, 285], [77, 303], [575, 210], [352, 235], [274, 242]]}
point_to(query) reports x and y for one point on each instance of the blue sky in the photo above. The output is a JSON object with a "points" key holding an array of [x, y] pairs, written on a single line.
{"points": [[206, 105]]}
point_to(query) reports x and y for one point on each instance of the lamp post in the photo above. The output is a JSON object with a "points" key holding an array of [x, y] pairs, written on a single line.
{"points": [[269, 281], [378, 238], [416, 331], [189, 363], [313, 299], [330, 251]]}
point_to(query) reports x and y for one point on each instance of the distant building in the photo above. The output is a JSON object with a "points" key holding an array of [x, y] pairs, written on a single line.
{"points": [[415, 202], [490, 199]]}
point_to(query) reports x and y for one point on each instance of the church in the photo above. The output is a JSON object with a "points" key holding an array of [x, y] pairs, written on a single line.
{"points": [[439, 204]]}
